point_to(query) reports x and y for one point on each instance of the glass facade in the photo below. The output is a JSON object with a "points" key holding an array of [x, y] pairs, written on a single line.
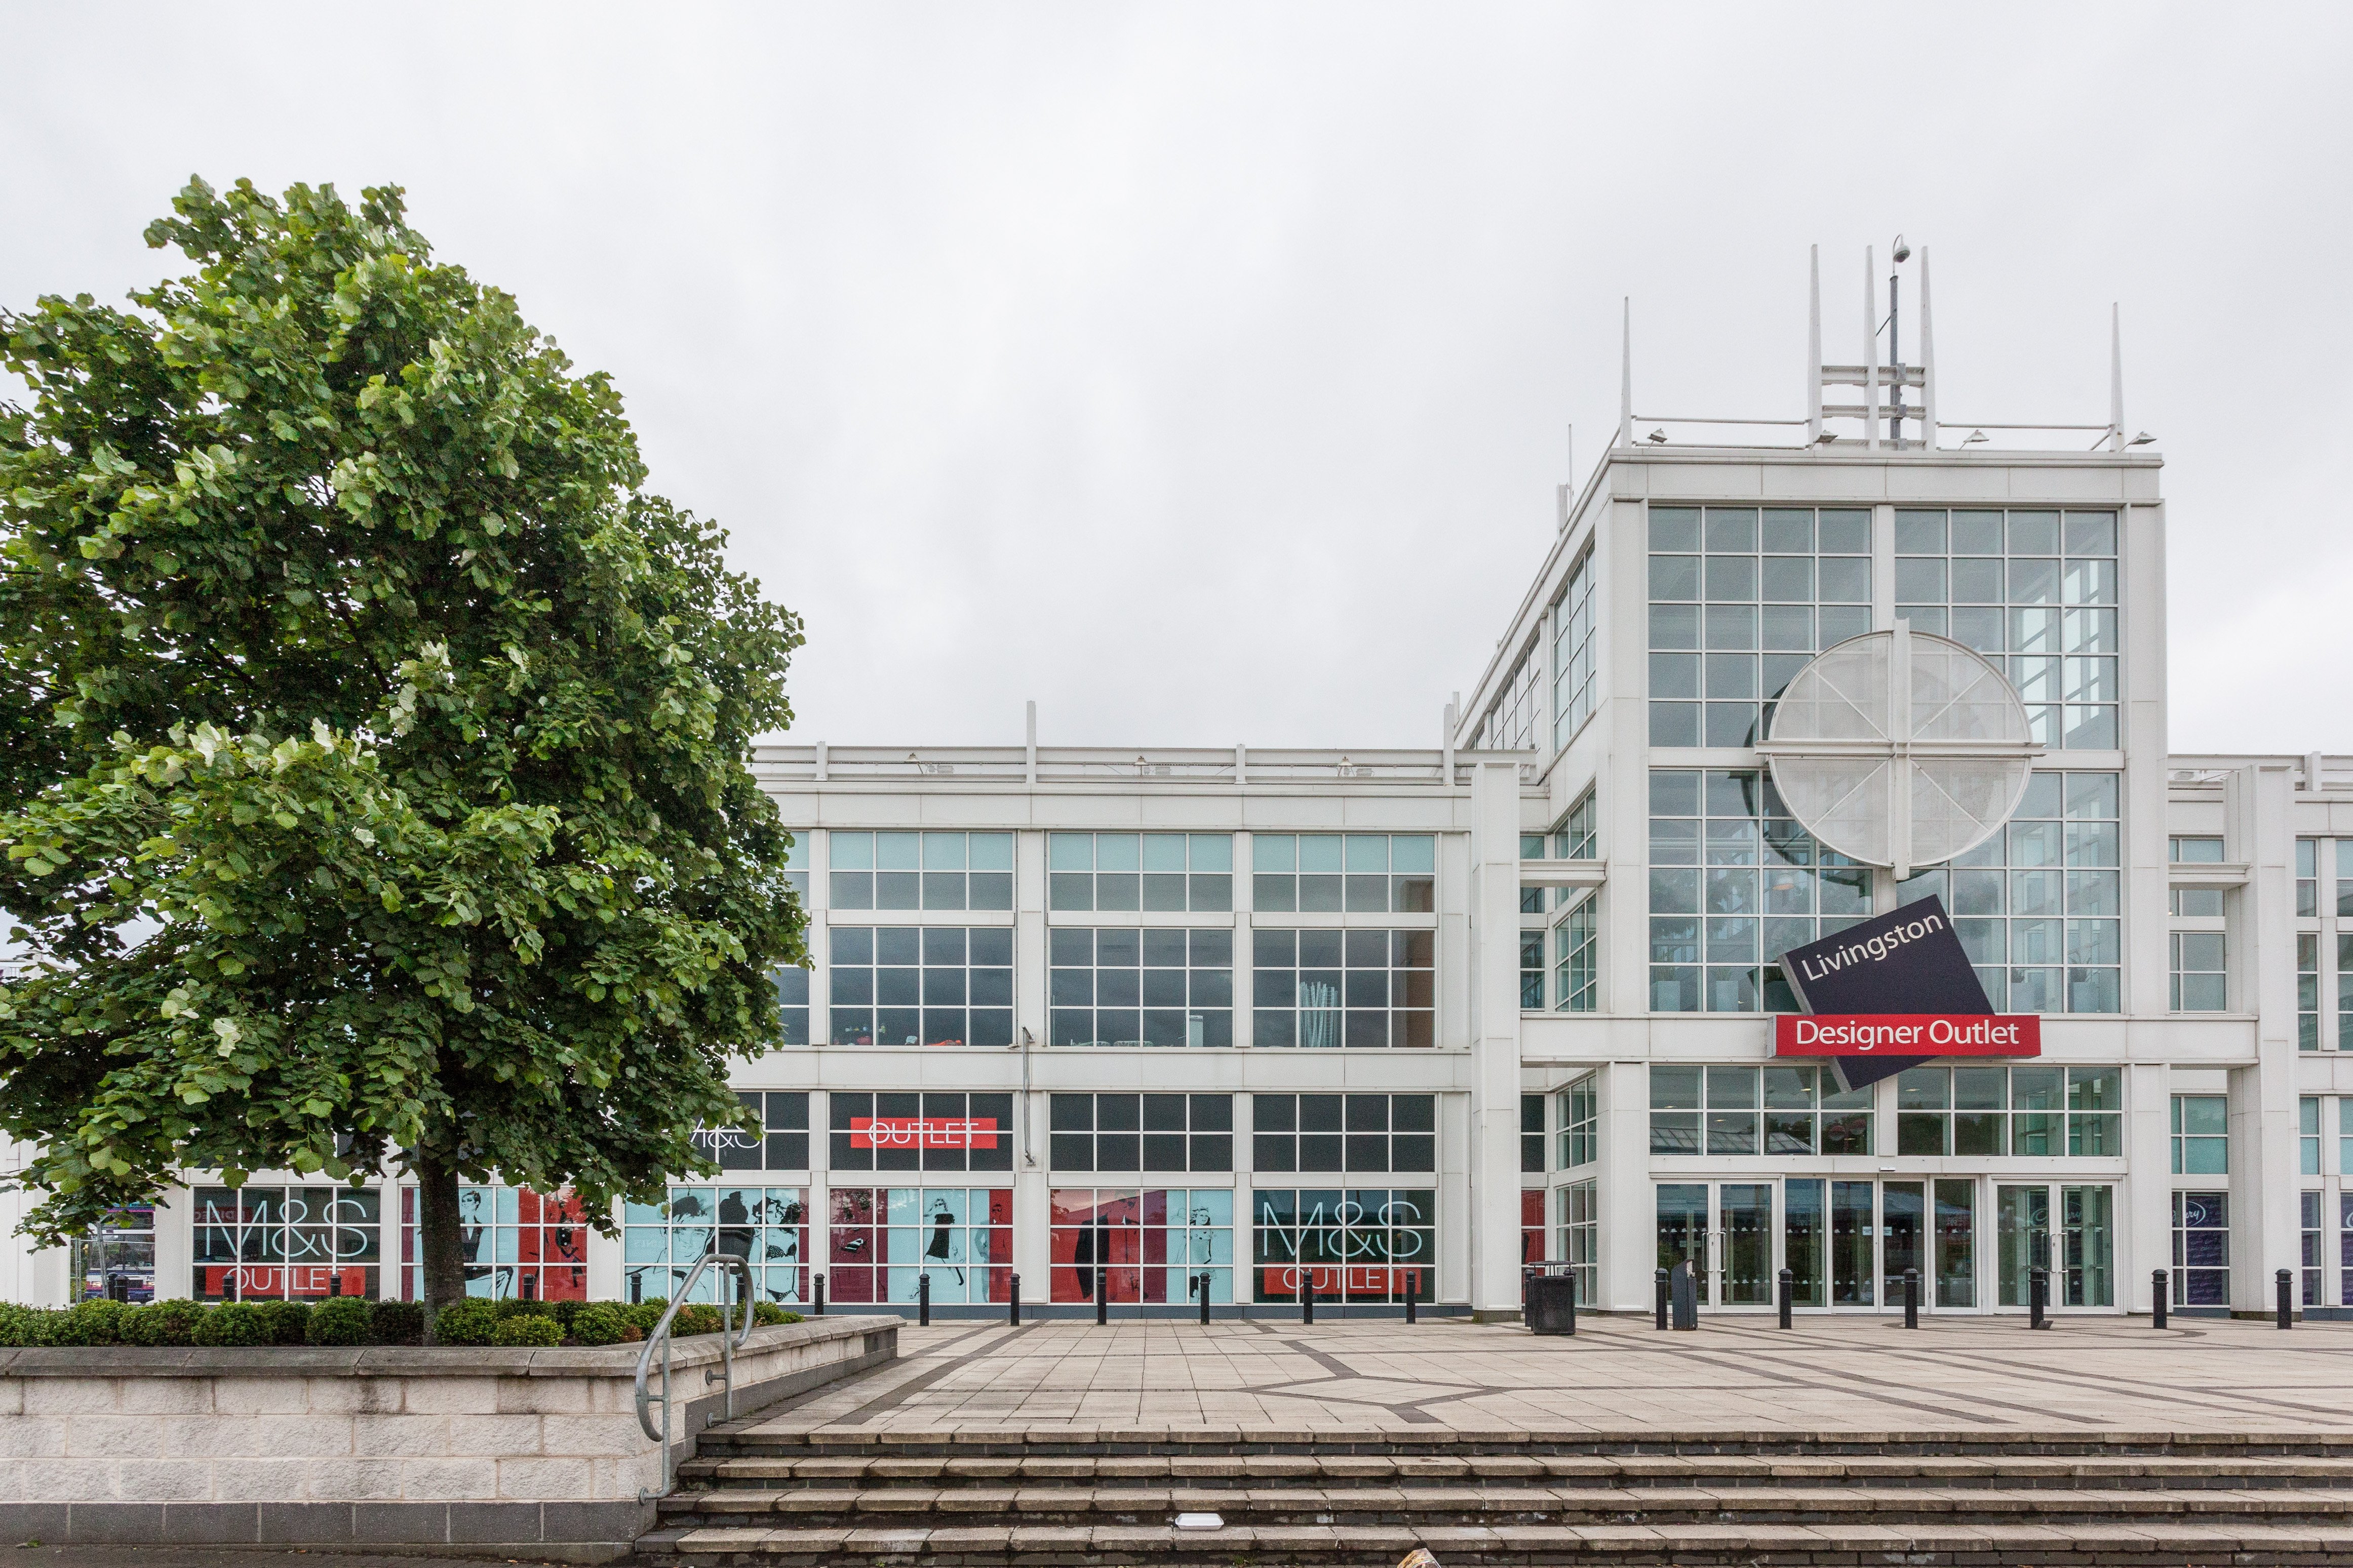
{"points": [[1740, 599], [1362, 873], [1331, 1132], [2039, 906], [1320, 988], [1512, 722], [1735, 883], [882, 1241], [1141, 1132], [1155, 873], [1575, 627], [2038, 586], [1119, 985], [1341, 1244], [908, 870], [257, 1242], [116, 1261], [765, 1226], [921, 986], [2201, 1134], [1746, 1109]]}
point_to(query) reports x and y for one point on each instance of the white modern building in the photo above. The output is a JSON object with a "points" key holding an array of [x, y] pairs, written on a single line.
{"points": [[1146, 1022]]}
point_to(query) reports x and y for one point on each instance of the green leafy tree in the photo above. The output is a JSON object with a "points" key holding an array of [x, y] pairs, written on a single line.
{"points": [[374, 750]]}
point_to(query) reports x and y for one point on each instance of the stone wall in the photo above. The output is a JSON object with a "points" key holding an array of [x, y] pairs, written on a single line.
{"points": [[536, 1450]]}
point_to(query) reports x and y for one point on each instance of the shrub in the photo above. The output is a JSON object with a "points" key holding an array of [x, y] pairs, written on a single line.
{"points": [[172, 1323], [601, 1323], [98, 1322], [526, 1307], [767, 1314], [467, 1322], [289, 1320], [645, 1314], [397, 1323], [14, 1321], [233, 1323], [528, 1328], [46, 1326], [566, 1312], [341, 1320], [695, 1318]]}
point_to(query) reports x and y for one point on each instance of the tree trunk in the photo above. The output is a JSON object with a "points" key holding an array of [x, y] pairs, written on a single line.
{"points": [[441, 1251]]}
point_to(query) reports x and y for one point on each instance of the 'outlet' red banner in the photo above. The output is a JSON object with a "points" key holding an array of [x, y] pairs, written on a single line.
{"points": [[922, 1132], [1907, 1034]]}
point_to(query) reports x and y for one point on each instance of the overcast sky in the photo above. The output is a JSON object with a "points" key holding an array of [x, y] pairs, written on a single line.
{"points": [[1203, 371]]}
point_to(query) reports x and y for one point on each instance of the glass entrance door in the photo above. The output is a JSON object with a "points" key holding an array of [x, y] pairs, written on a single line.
{"points": [[2080, 1253], [1724, 1231]]}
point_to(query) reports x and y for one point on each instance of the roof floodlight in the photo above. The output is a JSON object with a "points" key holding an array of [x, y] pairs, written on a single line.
{"points": [[2143, 439], [1826, 437], [1660, 436], [1902, 251], [1974, 438]]}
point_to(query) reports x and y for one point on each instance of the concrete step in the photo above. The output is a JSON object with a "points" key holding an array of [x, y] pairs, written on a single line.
{"points": [[1368, 1505], [1238, 1471], [2151, 1544]]}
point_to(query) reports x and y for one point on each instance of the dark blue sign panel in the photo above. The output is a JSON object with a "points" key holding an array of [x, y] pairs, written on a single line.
{"points": [[1907, 961]]}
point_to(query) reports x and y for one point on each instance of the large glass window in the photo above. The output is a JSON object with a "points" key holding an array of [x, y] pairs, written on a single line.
{"points": [[299, 1243], [765, 1226], [1321, 1132], [1531, 1138], [1119, 985], [782, 1144], [792, 983], [1581, 1123], [1580, 1237], [1364, 873], [1150, 1247], [1160, 872], [1357, 1244], [1577, 957], [2201, 1134], [884, 1240], [1776, 1110], [2309, 1206], [2344, 875], [2038, 588], [926, 1131], [116, 1261], [1740, 599], [1579, 833], [1575, 621], [1532, 968], [796, 864], [1355, 988], [907, 870], [2307, 991], [1735, 883], [2307, 877], [2202, 1250], [1511, 721], [2307, 1134], [2186, 850], [2037, 907], [2009, 1111], [2199, 982], [1141, 1132], [931, 985]]}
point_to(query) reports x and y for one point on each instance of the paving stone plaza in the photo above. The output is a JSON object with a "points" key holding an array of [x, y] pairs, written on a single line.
{"points": [[1617, 1376]]}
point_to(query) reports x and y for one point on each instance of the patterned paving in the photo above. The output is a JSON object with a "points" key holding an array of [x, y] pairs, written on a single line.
{"points": [[1618, 1375]]}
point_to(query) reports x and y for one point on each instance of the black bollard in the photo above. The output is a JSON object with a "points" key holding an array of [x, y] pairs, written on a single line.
{"points": [[820, 1295], [1787, 1295], [1103, 1299], [923, 1301], [2160, 1296], [1662, 1299], [1307, 1294], [1911, 1298], [1201, 1283], [1412, 1289], [1014, 1316], [1686, 1285], [2287, 1312], [2038, 1298]]}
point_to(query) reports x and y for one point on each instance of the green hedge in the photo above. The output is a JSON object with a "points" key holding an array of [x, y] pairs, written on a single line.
{"points": [[353, 1320]]}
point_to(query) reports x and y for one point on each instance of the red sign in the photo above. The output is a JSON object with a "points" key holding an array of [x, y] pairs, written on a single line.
{"points": [[276, 1280], [922, 1132], [1907, 1034], [1331, 1278]]}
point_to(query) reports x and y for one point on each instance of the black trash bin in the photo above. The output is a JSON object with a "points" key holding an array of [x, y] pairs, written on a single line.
{"points": [[1552, 1304]]}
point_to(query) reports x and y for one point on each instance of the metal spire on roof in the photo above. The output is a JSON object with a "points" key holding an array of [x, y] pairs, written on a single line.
{"points": [[1626, 381], [1870, 356], [1814, 347], [1928, 362], [2116, 377]]}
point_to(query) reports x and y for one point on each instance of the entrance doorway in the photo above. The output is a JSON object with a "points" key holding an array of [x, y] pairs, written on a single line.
{"points": [[1847, 1243]]}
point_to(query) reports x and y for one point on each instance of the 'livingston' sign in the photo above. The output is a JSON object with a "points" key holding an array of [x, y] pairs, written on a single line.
{"points": [[1892, 993]]}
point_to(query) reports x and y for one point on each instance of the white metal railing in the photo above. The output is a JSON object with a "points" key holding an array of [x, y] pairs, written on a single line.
{"points": [[730, 1338]]}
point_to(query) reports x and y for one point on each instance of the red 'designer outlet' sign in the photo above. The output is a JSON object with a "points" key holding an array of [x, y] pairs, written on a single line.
{"points": [[1907, 1034], [922, 1132]]}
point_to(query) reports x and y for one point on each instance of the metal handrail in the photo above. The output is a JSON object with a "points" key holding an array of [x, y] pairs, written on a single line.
{"points": [[729, 1339]]}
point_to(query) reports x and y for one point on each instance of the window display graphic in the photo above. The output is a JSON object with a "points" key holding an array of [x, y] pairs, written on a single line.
{"points": [[884, 1240], [765, 1226], [1149, 1247], [1358, 1244], [254, 1243], [517, 1245]]}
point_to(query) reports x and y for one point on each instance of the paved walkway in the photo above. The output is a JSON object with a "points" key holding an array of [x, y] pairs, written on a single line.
{"points": [[1618, 1375]]}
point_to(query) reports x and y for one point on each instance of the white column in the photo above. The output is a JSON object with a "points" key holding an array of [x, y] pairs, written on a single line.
{"points": [[1495, 1039], [2265, 1179], [1032, 1211], [1630, 1251], [2145, 1225]]}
